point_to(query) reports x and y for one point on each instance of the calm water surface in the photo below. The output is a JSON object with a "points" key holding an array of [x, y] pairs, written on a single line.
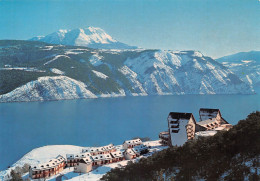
{"points": [[96, 122]]}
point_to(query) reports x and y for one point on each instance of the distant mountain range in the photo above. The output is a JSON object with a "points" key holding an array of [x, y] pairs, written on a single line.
{"points": [[91, 37], [246, 65], [33, 71]]}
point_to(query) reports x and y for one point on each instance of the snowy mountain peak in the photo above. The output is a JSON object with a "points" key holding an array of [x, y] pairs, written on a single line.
{"points": [[91, 37]]}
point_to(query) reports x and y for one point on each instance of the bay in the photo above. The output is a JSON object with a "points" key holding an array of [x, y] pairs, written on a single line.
{"points": [[96, 122]]}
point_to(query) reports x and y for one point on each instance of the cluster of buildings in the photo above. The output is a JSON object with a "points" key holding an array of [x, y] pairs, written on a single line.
{"points": [[89, 158], [183, 126]]}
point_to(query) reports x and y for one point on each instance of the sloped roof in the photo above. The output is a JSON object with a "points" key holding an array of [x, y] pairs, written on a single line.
{"points": [[206, 114], [117, 154], [98, 149], [86, 160], [130, 152], [209, 110], [199, 128], [208, 121], [139, 148], [102, 157], [180, 115], [135, 141], [51, 164]]}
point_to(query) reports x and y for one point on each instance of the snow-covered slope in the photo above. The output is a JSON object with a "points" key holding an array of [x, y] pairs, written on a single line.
{"points": [[184, 72], [246, 65], [65, 72], [91, 37], [49, 88], [45, 153]]}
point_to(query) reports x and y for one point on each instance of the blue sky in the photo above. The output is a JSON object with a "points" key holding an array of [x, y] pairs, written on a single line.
{"points": [[214, 27]]}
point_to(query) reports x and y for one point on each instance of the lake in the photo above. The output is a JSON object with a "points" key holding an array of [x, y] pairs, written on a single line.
{"points": [[96, 122]]}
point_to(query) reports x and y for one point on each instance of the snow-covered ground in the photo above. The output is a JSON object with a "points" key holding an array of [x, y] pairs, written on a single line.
{"points": [[45, 153], [49, 88], [57, 71], [28, 69], [99, 74]]}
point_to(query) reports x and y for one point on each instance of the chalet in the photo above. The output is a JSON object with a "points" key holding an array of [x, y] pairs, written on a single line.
{"points": [[212, 119], [102, 159], [130, 154], [140, 149], [99, 150], [132, 143], [48, 169], [73, 159], [117, 156], [84, 165], [181, 127], [165, 137]]}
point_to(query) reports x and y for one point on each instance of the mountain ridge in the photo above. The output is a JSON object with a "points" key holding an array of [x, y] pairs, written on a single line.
{"points": [[251, 55], [91, 37], [246, 65], [108, 73]]}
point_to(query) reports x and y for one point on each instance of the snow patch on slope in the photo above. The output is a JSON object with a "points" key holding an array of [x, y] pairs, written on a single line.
{"points": [[57, 71], [96, 60], [99, 74], [113, 94], [55, 58], [132, 76], [49, 88]]}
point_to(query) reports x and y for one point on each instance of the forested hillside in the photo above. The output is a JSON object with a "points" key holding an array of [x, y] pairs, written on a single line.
{"points": [[48, 71]]}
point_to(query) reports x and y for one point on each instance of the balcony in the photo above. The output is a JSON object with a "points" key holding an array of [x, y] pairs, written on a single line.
{"points": [[175, 131], [175, 126], [174, 122]]}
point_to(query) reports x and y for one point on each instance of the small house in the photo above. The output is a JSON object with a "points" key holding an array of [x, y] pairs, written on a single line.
{"points": [[132, 143], [140, 149], [130, 154], [73, 159], [102, 159], [99, 150], [84, 165], [48, 169], [117, 156]]}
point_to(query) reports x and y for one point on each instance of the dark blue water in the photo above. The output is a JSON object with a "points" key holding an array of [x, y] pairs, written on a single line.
{"points": [[24, 126]]}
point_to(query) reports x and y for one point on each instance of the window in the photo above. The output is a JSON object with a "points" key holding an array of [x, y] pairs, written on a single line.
{"points": [[175, 131]]}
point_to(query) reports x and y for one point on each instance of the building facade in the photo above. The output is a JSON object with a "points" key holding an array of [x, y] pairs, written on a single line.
{"points": [[164, 137], [73, 159], [117, 156], [45, 170], [84, 165], [212, 119], [181, 127], [132, 143], [99, 150], [129, 154], [102, 159]]}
